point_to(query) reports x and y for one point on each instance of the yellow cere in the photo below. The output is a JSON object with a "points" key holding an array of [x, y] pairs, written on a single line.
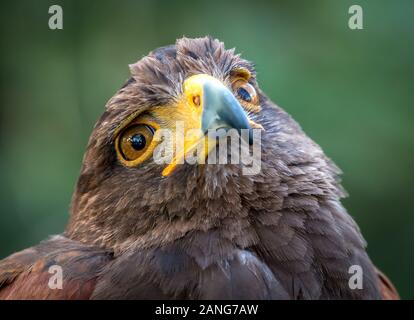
{"points": [[189, 112]]}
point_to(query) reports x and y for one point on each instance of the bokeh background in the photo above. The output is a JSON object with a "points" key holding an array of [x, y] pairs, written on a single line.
{"points": [[351, 90]]}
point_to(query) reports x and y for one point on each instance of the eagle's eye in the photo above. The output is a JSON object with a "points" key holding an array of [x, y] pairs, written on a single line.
{"points": [[133, 142], [245, 91]]}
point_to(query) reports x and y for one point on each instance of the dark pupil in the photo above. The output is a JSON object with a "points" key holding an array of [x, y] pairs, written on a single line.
{"points": [[138, 141], [244, 94]]}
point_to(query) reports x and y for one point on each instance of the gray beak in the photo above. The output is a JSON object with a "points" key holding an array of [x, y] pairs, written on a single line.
{"points": [[221, 110]]}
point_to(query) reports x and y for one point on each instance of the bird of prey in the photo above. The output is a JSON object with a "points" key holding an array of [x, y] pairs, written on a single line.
{"points": [[140, 229]]}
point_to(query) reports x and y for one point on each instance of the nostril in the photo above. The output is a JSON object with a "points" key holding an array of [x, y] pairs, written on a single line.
{"points": [[196, 100]]}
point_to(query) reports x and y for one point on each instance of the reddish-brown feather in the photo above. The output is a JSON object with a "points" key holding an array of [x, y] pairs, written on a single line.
{"points": [[25, 275], [388, 291], [33, 284]]}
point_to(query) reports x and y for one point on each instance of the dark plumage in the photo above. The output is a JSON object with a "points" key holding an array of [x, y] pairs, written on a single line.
{"points": [[205, 231]]}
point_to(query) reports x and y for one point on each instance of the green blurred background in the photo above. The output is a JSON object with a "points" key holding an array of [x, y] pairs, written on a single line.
{"points": [[351, 90]]}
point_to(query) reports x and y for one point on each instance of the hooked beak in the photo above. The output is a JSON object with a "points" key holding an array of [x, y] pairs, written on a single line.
{"points": [[207, 105], [221, 110]]}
